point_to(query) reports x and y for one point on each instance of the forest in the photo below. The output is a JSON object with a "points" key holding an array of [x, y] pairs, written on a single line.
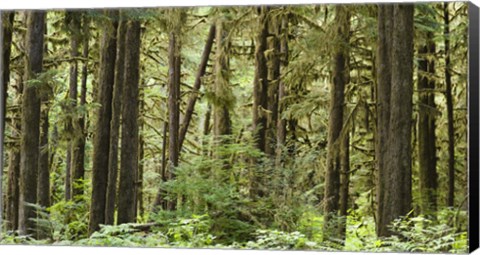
{"points": [[307, 127]]}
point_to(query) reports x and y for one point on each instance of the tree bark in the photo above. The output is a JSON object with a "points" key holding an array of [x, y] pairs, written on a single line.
{"points": [[383, 92], [260, 96], [427, 157], [29, 147], [115, 124], [334, 227], [449, 98], [101, 140], [273, 65], [281, 132], [397, 196], [129, 152], [6, 49], [78, 160], [72, 19], [223, 95], [7, 27], [141, 157], [43, 189], [173, 108], [260, 87], [196, 86]]}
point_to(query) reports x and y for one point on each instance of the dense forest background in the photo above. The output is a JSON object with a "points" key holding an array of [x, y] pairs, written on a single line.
{"points": [[325, 127]]}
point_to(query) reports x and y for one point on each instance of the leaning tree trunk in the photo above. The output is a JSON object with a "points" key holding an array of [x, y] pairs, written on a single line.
{"points": [[129, 152], [196, 86], [397, 196], [334, 227], [427, 157], [101, 140], [115, 124], [30, 137]]}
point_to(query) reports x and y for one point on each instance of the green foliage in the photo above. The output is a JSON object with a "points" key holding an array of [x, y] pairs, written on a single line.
{"points": [[278, 240]]}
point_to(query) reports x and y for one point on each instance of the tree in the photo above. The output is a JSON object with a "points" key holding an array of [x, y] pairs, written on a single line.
{"points": [[129, 152], [101, 140], [196, 86], [383, 94], [223, 96], [30, 136], [337, 163], [260, 94], [427, 157], [273, 65], [260, 83], [282, 93], [115, 122], [449, 98], [73, 20], [396, 186], [78, 160], [5, 49]]}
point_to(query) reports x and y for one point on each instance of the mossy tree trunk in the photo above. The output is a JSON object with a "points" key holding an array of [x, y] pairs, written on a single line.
{"points": [[427, 157], [101, 140], [115, 124], [129, 144], [78, 160], [334, 227], [11, 201], [30, 136]]}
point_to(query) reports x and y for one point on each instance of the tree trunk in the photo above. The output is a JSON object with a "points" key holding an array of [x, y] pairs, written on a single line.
{"points": [[383, 91], [196, 86], [115, 124], [29, 147], [427, 158], [173, 108], [161, 194], [397, 196], [449, 98], [260, 95], [43, 189], [78, 160], [101, 140], [141, 156], [5, 49], [344, 183], [223, 95], [281, 131], [72, 19], [273, 84], [129, 145], [260, 85], [333, 227], [13, 197]]}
